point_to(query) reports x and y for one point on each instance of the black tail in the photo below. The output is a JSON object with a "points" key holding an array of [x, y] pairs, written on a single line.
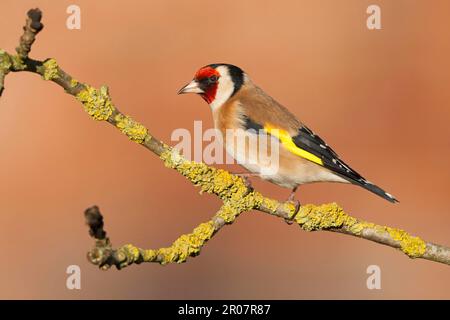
{"points": [[375, 189]]}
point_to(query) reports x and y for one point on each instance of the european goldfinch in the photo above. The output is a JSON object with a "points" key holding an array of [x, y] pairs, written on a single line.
{"points": [[238, 104]]}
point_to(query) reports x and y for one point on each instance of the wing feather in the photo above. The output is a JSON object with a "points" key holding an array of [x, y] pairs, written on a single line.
{"points": [[310, 146], [308, 140]]}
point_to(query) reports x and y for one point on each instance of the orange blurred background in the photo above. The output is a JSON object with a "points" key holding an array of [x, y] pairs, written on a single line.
{"points": [[380, 98]]}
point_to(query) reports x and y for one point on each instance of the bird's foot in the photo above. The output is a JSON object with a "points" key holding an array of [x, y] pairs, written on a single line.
{"points": [[290, 220], [291, 199]]}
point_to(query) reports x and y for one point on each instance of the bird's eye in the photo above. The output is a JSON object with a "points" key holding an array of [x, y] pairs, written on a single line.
{"points": [[213, 79]]}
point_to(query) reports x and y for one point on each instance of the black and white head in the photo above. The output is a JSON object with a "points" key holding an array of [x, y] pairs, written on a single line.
{"points": [[216, 83]]}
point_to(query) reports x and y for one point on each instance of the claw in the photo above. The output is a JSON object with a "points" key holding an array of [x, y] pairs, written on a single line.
{"points": [[297, 207]]}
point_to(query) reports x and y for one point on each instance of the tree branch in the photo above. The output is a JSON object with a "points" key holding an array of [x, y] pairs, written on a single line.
{"points": [[232, 190], [188, 245], [32, 27]]}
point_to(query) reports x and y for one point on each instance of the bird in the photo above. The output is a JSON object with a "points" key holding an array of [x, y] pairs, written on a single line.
{"points": [[238, 105]]}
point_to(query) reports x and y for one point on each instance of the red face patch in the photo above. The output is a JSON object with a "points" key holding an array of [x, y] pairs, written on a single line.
{"points": [[206, 72], [203, 77]]}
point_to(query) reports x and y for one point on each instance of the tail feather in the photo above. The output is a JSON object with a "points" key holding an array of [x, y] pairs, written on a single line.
{"points": [[377, 190]]}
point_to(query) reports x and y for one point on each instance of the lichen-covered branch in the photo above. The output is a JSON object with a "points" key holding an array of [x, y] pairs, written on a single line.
{"points": [[187, 245], [237, 197]]}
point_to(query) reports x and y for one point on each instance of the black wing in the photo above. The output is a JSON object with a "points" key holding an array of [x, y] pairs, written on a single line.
{"points": [[309, 141]]}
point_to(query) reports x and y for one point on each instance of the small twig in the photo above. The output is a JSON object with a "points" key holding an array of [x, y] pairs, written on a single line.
{"points": [[32, 27], [94, 220], [102, 254], [105, 256]]}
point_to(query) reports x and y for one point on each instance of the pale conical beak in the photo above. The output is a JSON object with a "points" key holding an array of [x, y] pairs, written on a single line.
{"points": [[191, 87]]}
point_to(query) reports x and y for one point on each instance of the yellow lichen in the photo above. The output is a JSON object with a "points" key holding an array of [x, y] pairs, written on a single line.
{"points": [[230, 188], [171, 158], [229, 212], [73, 83], [17, 62], [210, 180], [134, 130], [148, 255], [97, 103], [311, 217], [356, 227], [50, 69], [290, 208], [168, 255], [328, 216], [187, 245], [412, 246], [270, 204], [5, 62], [133, 251]]}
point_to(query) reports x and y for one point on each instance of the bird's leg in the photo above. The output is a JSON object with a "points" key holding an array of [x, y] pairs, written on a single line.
{"points": [[292, 195], [297, 206]]}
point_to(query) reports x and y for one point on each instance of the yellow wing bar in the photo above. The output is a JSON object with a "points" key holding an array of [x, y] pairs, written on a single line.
{"points": [[286, 141]]}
